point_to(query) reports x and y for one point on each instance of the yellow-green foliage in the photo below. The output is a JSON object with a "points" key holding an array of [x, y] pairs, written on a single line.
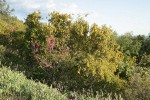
{"points": [[66, 51], [105, 51], [74, 50], [10, 24], [45, 37], [87, 50], [99, 52], [61, 23], [36, 31]]}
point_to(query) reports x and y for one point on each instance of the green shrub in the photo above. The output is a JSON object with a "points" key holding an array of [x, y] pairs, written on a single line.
{"points": [[14, 84], [68, 54], [138, 85], [2, 49], [145, 61]]}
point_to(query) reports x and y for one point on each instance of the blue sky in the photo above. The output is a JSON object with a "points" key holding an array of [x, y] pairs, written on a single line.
{"points": [[122, 15]]}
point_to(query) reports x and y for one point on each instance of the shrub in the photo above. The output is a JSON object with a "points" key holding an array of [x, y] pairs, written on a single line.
{"points": [[145, 61], [2, 49], [99, 96], [138, 85], [15, 85]]}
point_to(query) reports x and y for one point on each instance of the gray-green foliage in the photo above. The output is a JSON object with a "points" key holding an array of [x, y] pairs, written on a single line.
{"points": [[138, 85], [4, 7], [15, 84], [99, 96]]}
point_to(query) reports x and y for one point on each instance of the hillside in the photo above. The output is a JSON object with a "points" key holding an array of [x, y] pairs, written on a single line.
{"points": [[65, 57], [14, 85], [9, 24]]}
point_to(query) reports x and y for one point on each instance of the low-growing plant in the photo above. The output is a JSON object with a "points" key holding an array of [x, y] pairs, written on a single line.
{"points": [[138, 85], [16, 85]]}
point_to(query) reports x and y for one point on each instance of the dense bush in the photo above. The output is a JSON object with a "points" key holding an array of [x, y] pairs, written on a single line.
{"points": [[138, 85], [15, 85], [145, 61], [72, 52]]}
